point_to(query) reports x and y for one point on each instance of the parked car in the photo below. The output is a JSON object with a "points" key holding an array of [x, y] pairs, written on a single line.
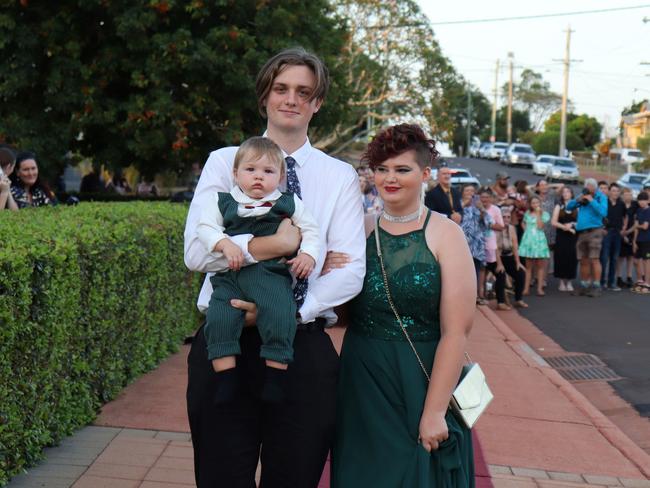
{"points": [[542, 163], [496, 150], [646, 184], [633, 181], [518, 154], [625, 156], [563, 169], [473, 148], [462, 177], [483, 150]]}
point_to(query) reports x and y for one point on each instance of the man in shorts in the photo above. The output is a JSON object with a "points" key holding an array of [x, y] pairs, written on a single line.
{"points": [[592, 209]]}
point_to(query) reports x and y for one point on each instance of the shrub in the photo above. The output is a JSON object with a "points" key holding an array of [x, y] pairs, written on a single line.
{"points": [[91, 297]]}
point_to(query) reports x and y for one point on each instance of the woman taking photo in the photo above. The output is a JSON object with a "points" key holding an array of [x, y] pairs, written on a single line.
{"points": [[534, 246], [565, 259], [393, 428], [27, 189]]}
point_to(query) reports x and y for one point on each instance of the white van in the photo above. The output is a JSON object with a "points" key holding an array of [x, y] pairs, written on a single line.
{"points": [[625, 156]]}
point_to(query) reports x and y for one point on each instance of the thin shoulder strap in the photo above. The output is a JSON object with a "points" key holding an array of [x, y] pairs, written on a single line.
{"points": [[426, 221]]}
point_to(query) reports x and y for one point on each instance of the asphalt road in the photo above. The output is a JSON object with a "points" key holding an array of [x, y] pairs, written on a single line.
{"points": [[614, 327]]}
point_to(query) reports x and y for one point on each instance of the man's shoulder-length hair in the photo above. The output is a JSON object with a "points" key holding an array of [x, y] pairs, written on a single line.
{"points": [[296, 56]]}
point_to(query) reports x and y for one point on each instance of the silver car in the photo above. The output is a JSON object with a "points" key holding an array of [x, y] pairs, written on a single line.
{"points": [[542, 163], [462, 177], [518, 154], [633, 181], [483, 150], [496, 150], [563, 169], [473, 149]]}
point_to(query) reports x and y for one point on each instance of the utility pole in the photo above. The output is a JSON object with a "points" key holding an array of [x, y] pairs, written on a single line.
{"points": [[469, 117], [493, 133], [565, 93], [510, 57]]}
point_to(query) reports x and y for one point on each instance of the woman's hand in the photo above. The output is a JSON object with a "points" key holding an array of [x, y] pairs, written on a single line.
{"points": [[335, 260], [5, 184], [250, 318], [433, 430]]}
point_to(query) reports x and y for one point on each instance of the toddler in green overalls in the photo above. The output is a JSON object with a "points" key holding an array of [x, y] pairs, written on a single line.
{"points": [[255, 206]]}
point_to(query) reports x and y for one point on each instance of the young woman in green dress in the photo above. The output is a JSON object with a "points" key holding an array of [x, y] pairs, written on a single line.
{"points": [[534, 246], [394, 429]]}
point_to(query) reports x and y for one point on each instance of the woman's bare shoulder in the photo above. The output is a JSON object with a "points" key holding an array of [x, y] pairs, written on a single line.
{"points": [[443, 234]]}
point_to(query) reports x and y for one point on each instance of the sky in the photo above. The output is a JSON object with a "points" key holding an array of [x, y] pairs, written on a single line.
{"points": [[610, 47]]}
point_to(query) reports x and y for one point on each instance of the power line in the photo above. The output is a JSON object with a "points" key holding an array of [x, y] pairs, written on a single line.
{"points": [[616, 75], [539, 16]]}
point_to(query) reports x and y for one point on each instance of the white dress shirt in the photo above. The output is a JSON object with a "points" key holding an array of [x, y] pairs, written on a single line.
{"points": [[211, 230], [330, 191]]}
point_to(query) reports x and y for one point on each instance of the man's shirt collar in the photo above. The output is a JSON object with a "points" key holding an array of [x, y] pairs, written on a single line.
{"points": [[301, 155]]}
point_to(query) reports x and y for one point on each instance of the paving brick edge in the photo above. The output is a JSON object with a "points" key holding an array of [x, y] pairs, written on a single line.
{"points": [[606, 427], [572, 479]]}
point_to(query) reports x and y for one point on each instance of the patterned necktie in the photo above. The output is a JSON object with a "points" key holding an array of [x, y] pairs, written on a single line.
{"points": [[293, 185]]}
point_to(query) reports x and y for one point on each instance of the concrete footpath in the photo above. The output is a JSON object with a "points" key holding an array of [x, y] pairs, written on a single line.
{"points": [[540, 431]]}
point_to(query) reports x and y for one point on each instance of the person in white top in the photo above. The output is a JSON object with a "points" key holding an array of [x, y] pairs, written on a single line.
{"points": [[293, 439], [255, 206]]}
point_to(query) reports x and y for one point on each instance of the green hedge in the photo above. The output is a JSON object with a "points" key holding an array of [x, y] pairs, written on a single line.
{"points": [[91, 297]]}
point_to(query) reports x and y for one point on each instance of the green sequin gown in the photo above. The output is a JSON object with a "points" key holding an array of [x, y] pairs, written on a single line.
{"points": [[382, 388]]}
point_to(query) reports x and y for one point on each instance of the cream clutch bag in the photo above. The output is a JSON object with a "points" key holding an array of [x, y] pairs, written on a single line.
{"points": [[472, 395]]}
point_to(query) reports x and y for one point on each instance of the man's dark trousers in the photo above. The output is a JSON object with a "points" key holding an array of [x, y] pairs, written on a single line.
{"points": [[292, 439], [609, 255]]}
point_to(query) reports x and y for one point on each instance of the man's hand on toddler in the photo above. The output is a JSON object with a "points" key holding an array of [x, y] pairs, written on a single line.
{"points": [[232, 252], [302, 265]]}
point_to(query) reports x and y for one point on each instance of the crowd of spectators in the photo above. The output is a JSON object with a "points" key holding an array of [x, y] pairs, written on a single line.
{"points": [[518, 233], [601, 236]]}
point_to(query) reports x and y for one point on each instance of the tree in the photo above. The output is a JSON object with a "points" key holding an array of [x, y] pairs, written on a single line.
{"points": [[520, 125], [549, 142], [396, 70], [643, 144], [156, 83], [533, 95], [583, 126], [480, 116], [554, 122], [586, 128], [634, 107]]}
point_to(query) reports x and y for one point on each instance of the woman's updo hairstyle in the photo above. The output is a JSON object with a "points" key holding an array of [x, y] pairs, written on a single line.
{"points": [[397, 140]]}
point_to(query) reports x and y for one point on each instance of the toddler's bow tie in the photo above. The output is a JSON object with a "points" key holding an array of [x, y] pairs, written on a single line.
{"points": [[265, 204]]}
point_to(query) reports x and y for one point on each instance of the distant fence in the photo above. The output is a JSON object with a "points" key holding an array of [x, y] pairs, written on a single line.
{"points": [[600, 164]]}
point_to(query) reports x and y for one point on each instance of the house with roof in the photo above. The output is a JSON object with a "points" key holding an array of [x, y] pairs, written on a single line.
{"points": [[635, 126]]}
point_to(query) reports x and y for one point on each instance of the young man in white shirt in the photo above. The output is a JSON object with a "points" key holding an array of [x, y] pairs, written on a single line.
{"points": [[292, 439]]}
